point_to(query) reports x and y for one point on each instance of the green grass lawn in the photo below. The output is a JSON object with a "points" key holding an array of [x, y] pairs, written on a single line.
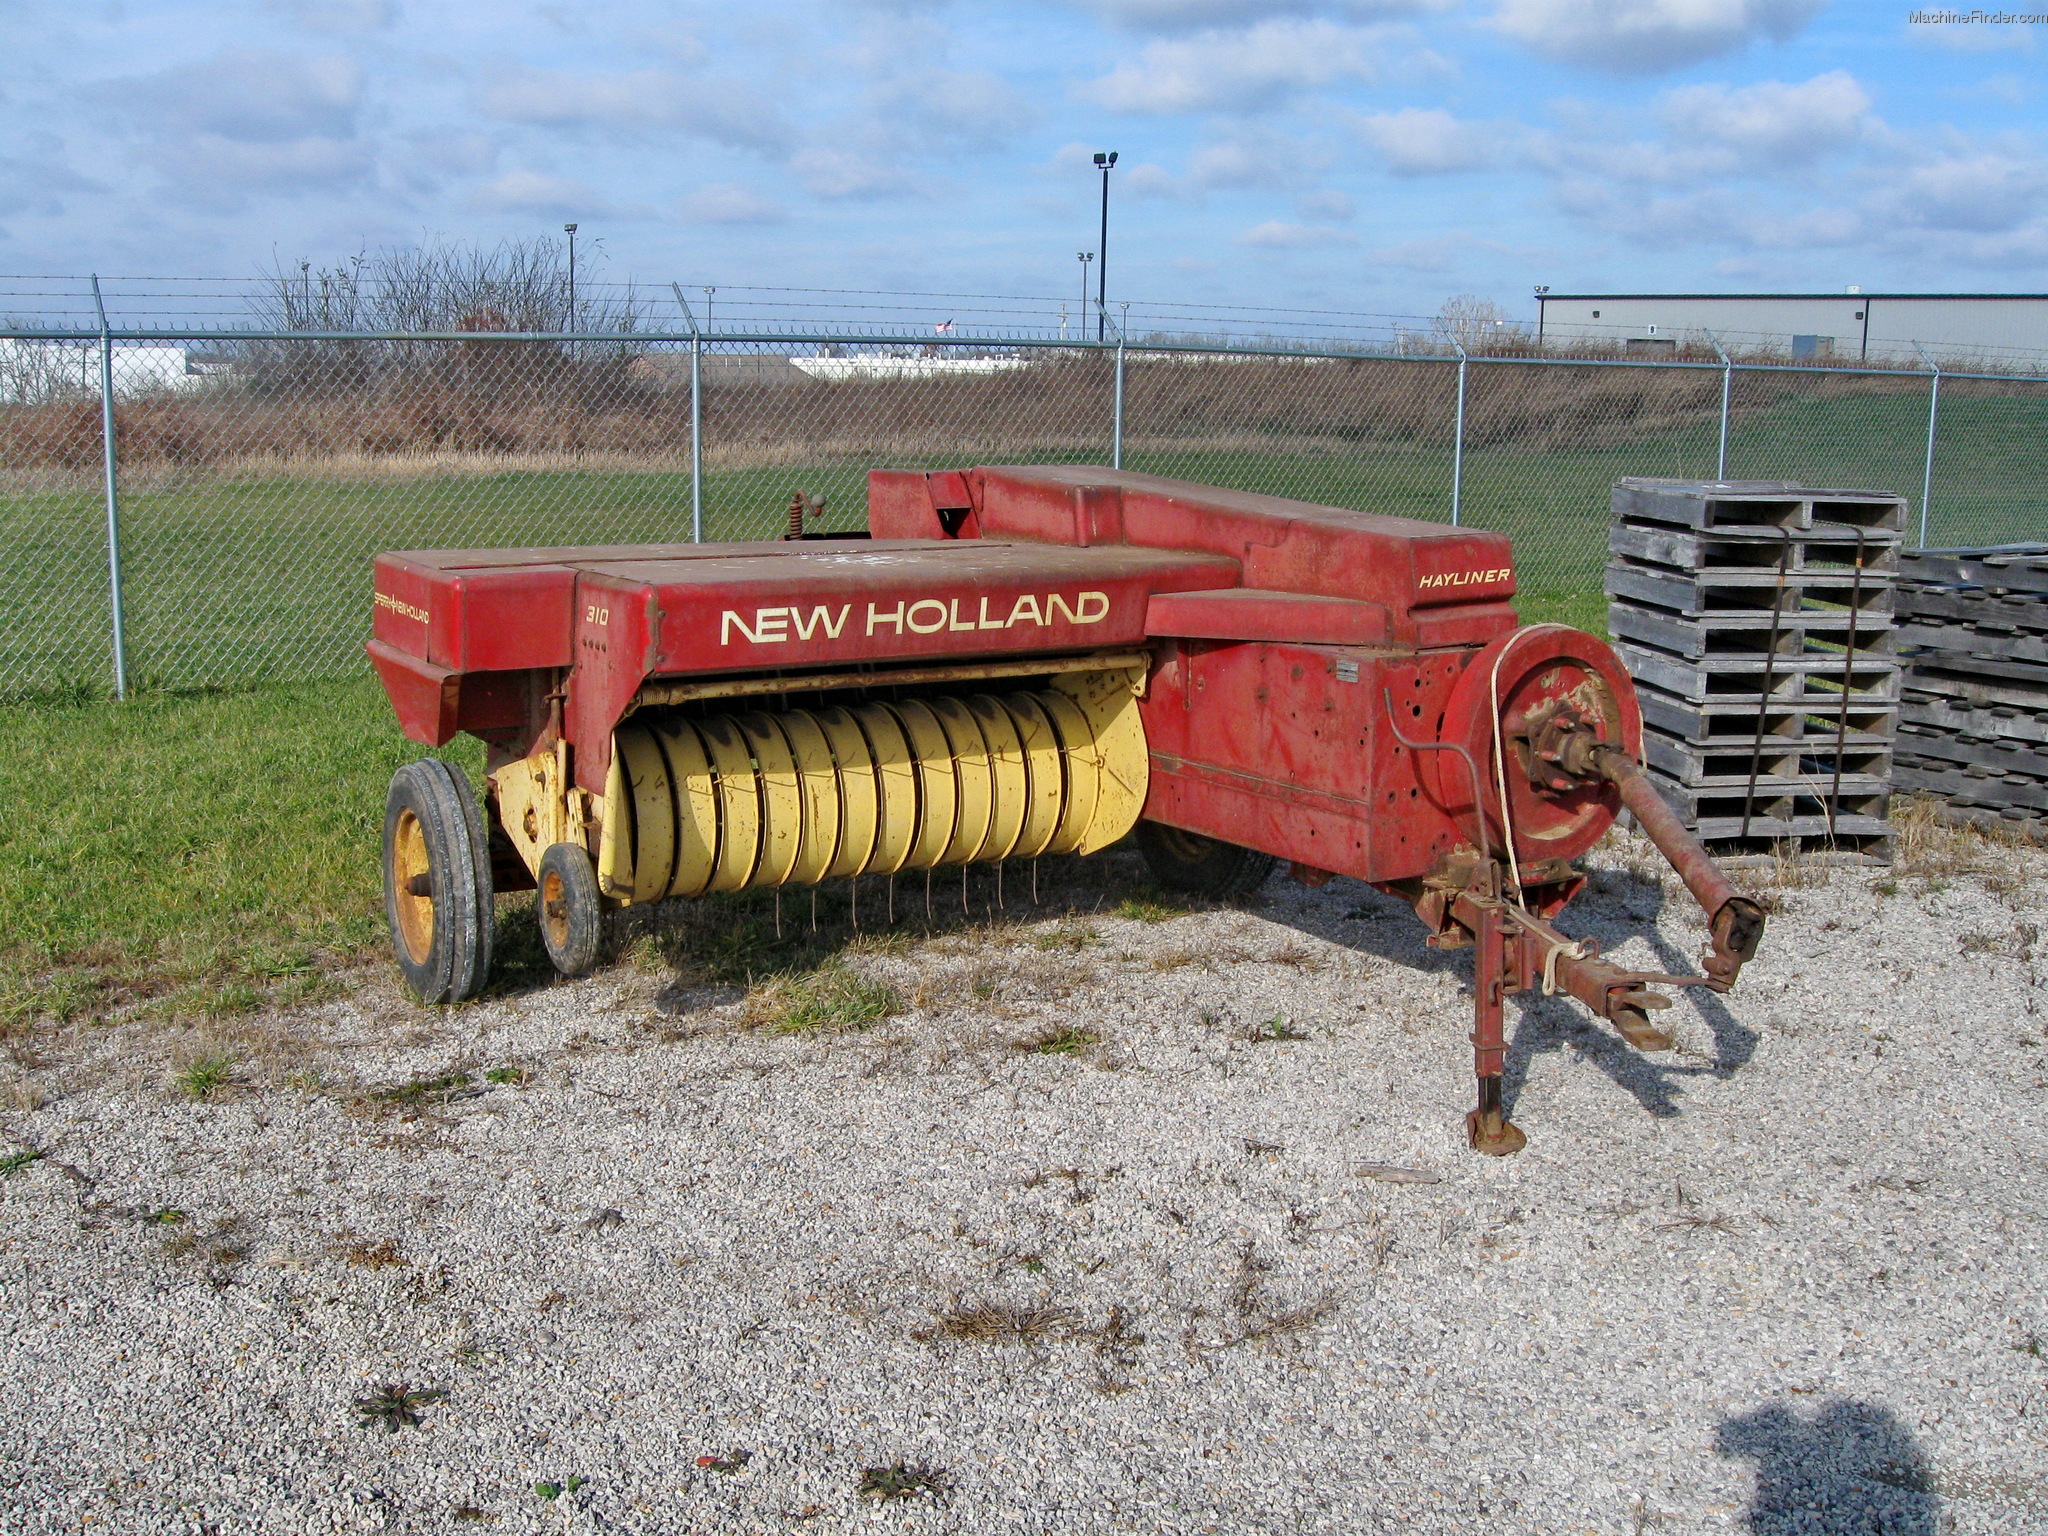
{"points": [[200, 850]]}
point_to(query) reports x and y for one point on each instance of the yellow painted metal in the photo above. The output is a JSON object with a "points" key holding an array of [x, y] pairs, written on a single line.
{"points": [[782, 815], [1110, 701], [656, 694], [970, 774], [739, 803], [1045, 777], [938, 792], [1083, 763], [818, 780], [859, 805], [1010, 792], [639, 853], [723, 802], [896, 786], [696, 799]]}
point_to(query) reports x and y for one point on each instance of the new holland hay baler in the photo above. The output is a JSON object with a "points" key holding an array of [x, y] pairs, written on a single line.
{"points": [[1018, 662]]}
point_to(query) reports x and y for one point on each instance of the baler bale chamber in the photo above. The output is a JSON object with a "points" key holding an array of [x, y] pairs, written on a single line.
{"points": [[1014, 662]]}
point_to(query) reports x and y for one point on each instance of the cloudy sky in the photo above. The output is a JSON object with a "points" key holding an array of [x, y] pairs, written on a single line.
{"points": [[1366, 155]]}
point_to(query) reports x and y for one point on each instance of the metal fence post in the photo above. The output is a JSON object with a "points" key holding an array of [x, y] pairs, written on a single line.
{"points": [[1116, 441], [108, 467], [696, 420], [1727, 379], [1458, 443], [1933, 416]]}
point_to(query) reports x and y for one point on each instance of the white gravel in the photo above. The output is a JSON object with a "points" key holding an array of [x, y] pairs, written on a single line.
{"points": [[1787, 1278]]}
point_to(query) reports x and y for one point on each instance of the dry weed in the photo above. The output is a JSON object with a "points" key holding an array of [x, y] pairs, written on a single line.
{"points": [[988, 1322]]}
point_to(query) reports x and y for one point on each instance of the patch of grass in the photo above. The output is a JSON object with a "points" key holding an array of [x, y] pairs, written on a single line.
{"points": [[552, 1491], [428, 1090], [506, 1075], [1066, 1040], [1276, 1028], [395, 1406], [203, 1078], [899, 1481], [1151, 908], [14, 1162], [195, 853], [830, 1001], [1065, 935]]}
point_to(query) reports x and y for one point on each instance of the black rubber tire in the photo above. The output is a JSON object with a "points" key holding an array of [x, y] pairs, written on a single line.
{"points": [[442, 936], [570, 910], [1202, 866]]}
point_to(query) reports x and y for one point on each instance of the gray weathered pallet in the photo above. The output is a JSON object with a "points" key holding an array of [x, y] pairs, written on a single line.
{"points": [[1864, 772], [1998, 568], [2001, 755], [1811, 681], [1973, 642], [1947, 605], [1722, 505], [1708, 724], [1719, 635], [1705, 594], [1824, 552], [2002, 723], [1961, 674], [1932, 776], [1701, 806]]}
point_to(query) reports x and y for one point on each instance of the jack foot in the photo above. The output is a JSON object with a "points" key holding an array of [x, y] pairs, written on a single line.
{"points": [[1493, 1133]]}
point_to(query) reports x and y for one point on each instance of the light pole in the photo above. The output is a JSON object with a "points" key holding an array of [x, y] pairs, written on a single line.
{"points": [[569, 324], [1105, 164], [1082, 327]]}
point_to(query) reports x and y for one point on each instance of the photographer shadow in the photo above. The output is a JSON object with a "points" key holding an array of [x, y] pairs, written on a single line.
{"points": [[1851, 1470]]}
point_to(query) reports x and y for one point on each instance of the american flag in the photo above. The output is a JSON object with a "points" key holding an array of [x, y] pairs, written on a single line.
{"points": [[943, 326]]}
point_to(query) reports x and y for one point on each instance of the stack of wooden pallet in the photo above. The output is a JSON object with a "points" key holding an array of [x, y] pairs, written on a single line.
{"points": [[1756, 619], [1973, 625]]}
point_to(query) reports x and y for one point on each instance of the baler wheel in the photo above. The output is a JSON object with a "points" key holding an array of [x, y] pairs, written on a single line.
{"points": [[1188, 861], [570, 910], [437, 881]]}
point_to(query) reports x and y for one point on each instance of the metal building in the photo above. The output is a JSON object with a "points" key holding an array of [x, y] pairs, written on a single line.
{"points": [[1853, 326]]}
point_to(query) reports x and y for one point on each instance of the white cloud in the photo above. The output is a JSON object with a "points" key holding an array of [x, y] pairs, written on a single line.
{"points": [[1327, 206], [1240, 71], [1974, 37], [639, 100], [1641, 36], [1252, 159], [958, 107], [729, 203], [1772, 122], [1970, 189], [537, 192], [849, 173], [251, 95], [1277, 235], [1417, 142], [1193, 15]]}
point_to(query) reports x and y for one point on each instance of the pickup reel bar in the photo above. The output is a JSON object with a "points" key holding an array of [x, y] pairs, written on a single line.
{"points": [[1019, 662]]}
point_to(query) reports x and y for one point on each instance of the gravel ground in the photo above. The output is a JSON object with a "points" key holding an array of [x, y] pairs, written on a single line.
{"points": [[1226, 1267]]}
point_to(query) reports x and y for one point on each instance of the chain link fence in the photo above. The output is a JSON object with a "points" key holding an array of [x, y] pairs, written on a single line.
{"points": [[222, 500]]}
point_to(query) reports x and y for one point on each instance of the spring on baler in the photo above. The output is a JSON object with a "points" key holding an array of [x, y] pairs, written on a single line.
{"points": [[791, 797]]}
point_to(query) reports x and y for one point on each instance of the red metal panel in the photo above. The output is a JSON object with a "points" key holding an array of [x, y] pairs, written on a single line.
{"points": [[877, 602], [423, 695], [1243, 614]]}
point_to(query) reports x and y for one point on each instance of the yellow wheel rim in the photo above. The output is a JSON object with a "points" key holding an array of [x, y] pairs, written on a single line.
{"points": [[1010, 792], [1045, 777], [409, 863], [858, 802], [818, 785], [696, 799], [782, 810], [1084, 775]]}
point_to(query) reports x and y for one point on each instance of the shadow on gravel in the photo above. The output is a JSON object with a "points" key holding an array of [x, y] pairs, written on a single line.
{"points": [[1850, 1470], [1628, 909]]}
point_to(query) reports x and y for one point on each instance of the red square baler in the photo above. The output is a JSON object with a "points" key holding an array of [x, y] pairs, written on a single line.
{"points": [[1019, 661]]}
